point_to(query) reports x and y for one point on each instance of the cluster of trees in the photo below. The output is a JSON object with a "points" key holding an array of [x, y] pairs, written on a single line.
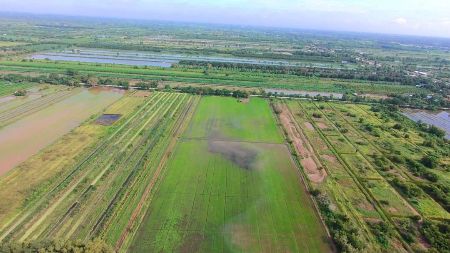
{"points": [[431, 129], [437, 234], [407, 188], [70, 78], [423, 168], [57, 246], [114, 82], [420, 170], [20, 93], [390, 111], [408, 229], [147, 85], [381, 162], [215, 92], [29, 47], [383, 232], [421, 101], [345, 234], [439, 192], [386, 74]]}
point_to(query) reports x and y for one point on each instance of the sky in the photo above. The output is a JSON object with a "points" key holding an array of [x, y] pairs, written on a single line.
{"points": [[413, 17]]}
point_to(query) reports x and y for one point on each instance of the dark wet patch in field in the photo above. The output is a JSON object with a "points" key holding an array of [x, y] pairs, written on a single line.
{"points": [[235, 152], [108, 119]]}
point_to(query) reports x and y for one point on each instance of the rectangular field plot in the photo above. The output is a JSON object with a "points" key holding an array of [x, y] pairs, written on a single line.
{"points": [[341, 145], [360, 166], [356, 198], [231, 195], [390, 200], [31, 133], [225, 118], [105, 184], [234, 196]]}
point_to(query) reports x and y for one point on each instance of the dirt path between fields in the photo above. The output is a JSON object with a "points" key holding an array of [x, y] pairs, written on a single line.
{"points": [[308, 159]]}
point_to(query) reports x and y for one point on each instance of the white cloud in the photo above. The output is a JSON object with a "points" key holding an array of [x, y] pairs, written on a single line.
{"points": [[400, 21]]}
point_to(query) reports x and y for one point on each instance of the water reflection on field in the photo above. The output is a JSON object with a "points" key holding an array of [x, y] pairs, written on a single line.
{"points": [[141, 58]]}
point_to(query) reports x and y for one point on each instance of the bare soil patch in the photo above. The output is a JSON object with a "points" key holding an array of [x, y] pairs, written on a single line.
{"points": [[309, 126], [330, 158], [366, 206], [372, 220], [244, 100], [315, 173], [322, 125], [141, 93], [307, 157]]}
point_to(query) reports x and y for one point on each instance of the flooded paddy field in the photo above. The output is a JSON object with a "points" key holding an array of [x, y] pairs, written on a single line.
{"points": [[140, 58], [36, 99], [28, 135], [439, 119], [34, 92]]}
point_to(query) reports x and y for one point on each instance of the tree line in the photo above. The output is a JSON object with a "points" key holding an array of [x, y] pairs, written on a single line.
{"points": [[385, 74]]}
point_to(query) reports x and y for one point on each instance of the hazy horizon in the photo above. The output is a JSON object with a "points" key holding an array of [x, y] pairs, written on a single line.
{"points": [[413, 17]]}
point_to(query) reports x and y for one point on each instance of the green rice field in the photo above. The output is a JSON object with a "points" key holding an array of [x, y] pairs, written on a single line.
{"points": [[231, 191]]}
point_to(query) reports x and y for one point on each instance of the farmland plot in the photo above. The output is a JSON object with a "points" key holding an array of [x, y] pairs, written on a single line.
{"points": [[18, 108], [33, 93], [9, 88], [382, 141], [348, 170], [57, 159], [231, 187], [80, 205], [27, 136]]}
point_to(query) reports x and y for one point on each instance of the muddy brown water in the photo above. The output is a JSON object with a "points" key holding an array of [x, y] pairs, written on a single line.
{"points": [[236, 152], [27, 136]]}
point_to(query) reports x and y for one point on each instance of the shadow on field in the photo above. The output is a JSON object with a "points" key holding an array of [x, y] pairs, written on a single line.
{"points": [[235, 152]]}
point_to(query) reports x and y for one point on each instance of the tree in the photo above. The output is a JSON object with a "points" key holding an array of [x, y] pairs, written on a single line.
{"points": [[71, 72], [430, 161], [94, 246], [20, 93]]}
